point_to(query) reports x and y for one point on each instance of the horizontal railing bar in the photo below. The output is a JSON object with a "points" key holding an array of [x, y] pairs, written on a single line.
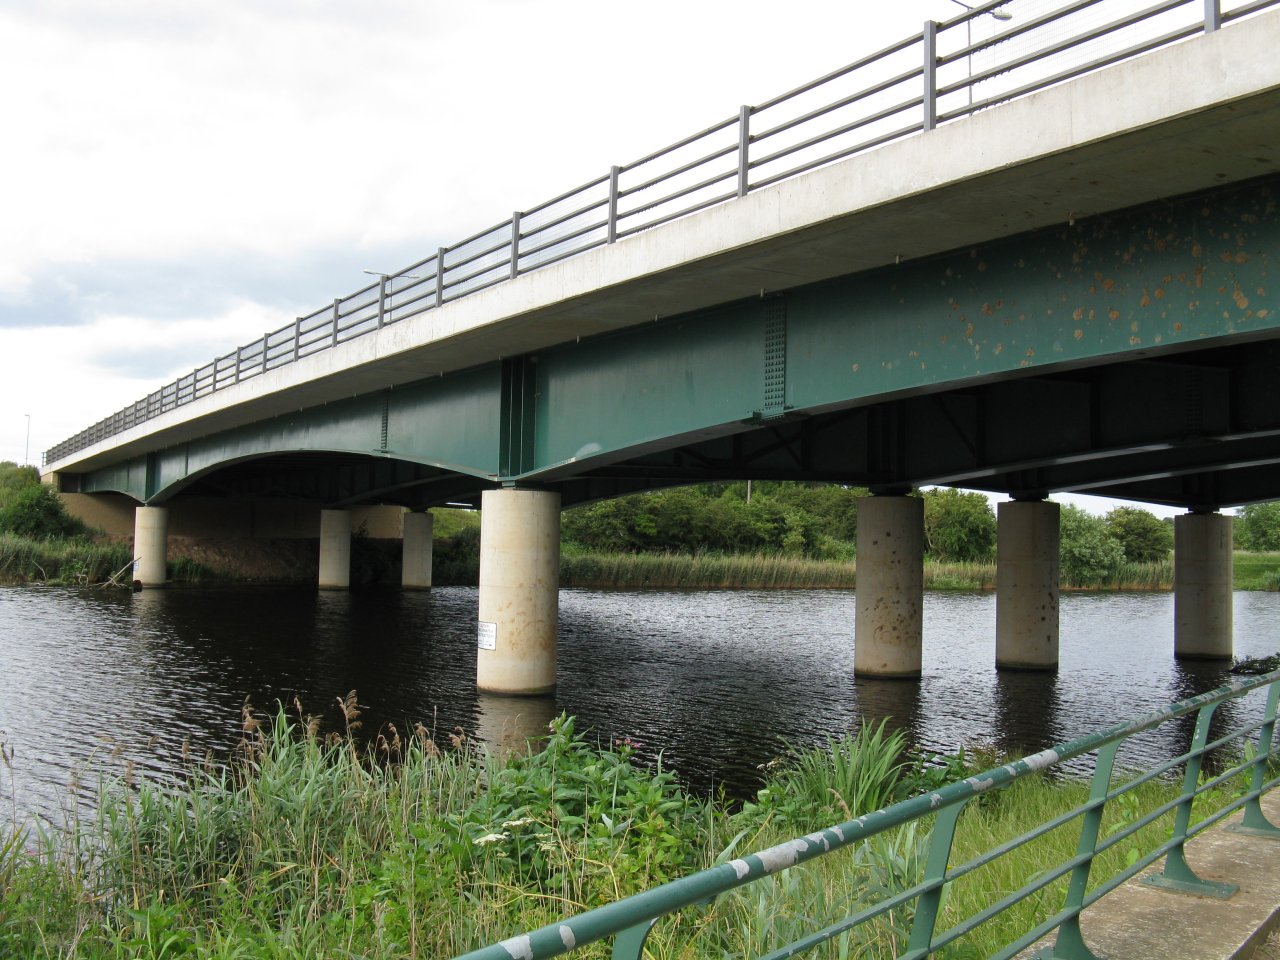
{"points": [[853, 125], [683, 168], [826, 78], [838, 155], [590, 185], [881, 87], [650, 224], [565, 218], [1021, 27], [547, 245], [504, 244], [505, 266], [682, 192], [679, 144]]}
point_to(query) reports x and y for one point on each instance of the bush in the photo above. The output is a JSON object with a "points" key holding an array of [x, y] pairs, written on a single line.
{"points": [[37, 511], [1089, 554], [1258, 527], [959, 527], [1143, 536]]}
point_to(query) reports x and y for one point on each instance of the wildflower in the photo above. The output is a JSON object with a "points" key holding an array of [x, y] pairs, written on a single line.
{"points": [[522, 822], [490, 838]]}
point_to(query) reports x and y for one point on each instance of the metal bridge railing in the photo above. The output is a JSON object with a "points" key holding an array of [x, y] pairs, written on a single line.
{"points": [[629, 921], [941, 74]]}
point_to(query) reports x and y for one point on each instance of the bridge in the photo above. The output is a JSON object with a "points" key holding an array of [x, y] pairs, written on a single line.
{"points": [[1024, 255]]}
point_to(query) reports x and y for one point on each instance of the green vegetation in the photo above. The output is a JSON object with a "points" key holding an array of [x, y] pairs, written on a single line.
{"points": [[310, 846], [1256, 571], [1257, 527]]}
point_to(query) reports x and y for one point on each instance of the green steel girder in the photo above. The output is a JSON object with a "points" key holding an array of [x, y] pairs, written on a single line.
{"points": [[1132, 354]]}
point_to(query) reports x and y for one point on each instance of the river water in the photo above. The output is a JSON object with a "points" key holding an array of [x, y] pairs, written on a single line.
{"points": [[714, 681]]}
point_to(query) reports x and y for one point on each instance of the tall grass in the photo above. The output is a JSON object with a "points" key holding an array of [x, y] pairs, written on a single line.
{"points": [[59, 561], [1256, 571], [778, 571]]}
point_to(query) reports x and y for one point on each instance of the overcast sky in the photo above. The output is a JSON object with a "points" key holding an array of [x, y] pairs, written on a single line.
{"points": [[180, 177]]}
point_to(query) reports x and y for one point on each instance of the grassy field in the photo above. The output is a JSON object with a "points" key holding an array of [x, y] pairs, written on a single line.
{"points": [[1257, 571], [310, 846]]}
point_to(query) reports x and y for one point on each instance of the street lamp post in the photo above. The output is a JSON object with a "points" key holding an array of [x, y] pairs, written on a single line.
{"points": [[968, 38]]}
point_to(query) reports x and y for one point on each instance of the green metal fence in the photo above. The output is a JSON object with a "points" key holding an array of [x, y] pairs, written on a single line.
{"points": [[1249, 747]]}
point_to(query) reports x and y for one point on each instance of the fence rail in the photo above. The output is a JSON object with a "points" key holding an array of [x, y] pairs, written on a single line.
{"points": [[628, 922], [936, 76]]}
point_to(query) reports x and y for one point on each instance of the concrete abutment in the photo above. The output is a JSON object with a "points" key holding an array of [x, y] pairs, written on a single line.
{"points": [[519, 591], [889, 600]]}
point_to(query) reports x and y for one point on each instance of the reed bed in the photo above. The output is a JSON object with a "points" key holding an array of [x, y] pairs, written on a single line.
{"points": [[60, 561], [311, 846], [673, 571]]}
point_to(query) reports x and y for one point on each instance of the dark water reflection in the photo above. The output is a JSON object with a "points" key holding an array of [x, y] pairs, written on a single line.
{"points": [[714, 681]]}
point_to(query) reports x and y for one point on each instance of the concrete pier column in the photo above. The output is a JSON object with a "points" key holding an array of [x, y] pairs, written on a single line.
{"points": [[889, 600], [1027, 566], [335, 549], [415, 561], [1202, 601], [519, 591], [150, 545]]}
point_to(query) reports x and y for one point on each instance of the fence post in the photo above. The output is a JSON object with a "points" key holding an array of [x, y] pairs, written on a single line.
{"points": [[1212, 15], [613, 203], [1255, 822], [929, 41], [744, 142], [1177, 874], [1070, 943], [515, 244], [439, 275], [935, 872]]}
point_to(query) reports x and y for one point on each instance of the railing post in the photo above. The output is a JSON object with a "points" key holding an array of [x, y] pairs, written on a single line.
{"points": [[382, 300], [613, 203], [264, 353], [297, 337], [239, 360], [929, 41], [1070, 944], [337, 302], [1177, 874], [1255, 822], [1212, 15], [744, 142], [515, 244], [935, 872], [439, 276]]}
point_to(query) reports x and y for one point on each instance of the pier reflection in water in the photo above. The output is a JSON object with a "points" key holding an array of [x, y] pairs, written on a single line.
{"points": [[715, 681]]}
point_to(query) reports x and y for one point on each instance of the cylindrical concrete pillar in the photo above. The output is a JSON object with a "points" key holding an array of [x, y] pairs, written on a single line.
{"points": [[335, 549], [1027, 564], [150, 545], [1202, 600], [415, 560], [519, 591], [889, 600]]}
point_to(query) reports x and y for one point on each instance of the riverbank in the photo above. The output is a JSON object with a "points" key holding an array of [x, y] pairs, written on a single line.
{"points": [[81, 561], [306, 845]]}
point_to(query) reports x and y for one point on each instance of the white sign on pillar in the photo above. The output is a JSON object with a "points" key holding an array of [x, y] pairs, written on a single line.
{"points": [[487, 636]]}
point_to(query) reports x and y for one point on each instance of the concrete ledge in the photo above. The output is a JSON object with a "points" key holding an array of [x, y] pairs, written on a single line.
{"points": [[1138, 922]]}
